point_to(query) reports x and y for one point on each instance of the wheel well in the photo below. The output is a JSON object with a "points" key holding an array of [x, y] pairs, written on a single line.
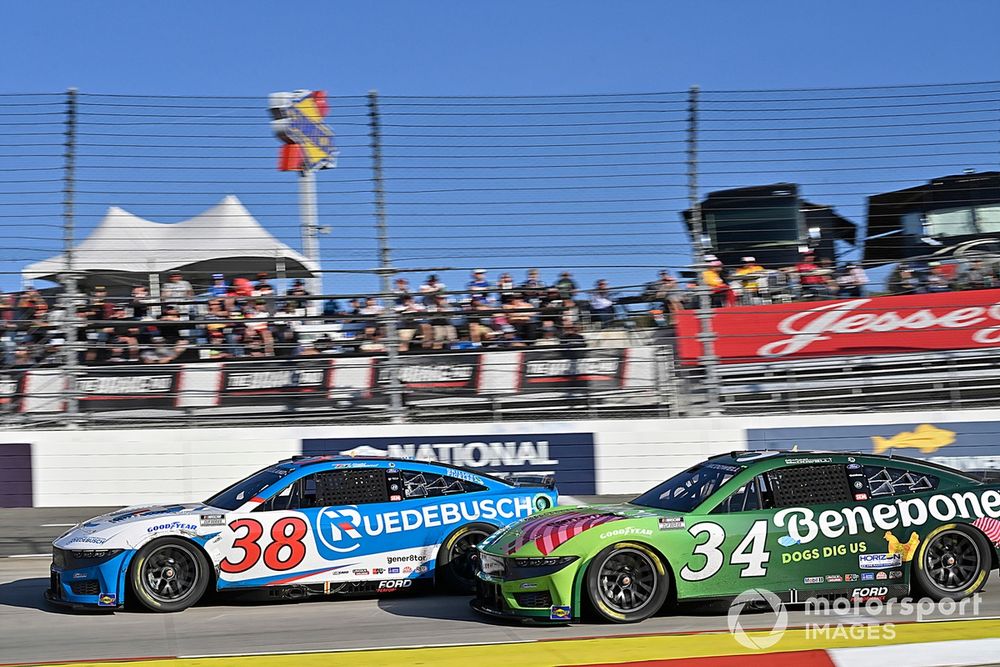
{"points": [[212, 572], [489, 527]]}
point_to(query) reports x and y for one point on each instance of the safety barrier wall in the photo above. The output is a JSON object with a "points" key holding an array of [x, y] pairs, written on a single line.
{"points": [[120, 467]]}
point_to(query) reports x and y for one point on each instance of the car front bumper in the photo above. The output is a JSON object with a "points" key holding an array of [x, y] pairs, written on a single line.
{"points": [[547, 599], [97, 586]]}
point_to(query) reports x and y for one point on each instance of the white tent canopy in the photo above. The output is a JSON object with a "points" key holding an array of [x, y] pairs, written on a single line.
{"points": [[125, 249]]}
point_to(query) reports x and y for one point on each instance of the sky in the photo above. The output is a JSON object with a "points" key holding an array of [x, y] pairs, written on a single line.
{"points": [[248, 49]]}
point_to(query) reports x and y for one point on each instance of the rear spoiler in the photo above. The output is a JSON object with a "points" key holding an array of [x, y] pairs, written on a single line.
{"points": [[520, 479]]}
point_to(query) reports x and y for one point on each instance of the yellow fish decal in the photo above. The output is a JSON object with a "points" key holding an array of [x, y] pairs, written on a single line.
{"points": [[906, 550], [927, 438]]}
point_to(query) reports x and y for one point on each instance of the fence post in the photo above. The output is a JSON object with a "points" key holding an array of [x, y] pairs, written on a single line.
{"points": [[70, 295], [706, 336], [385, 269]]}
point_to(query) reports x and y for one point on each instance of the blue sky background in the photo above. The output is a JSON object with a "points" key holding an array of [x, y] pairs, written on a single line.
{"points": [[507, 193]]}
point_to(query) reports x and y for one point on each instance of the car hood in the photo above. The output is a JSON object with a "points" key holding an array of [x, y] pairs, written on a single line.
{"points": [[544, 533], [131, 526]]}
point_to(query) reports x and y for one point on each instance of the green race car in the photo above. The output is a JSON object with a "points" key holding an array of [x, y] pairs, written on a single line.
{"points": [[800, 524]]}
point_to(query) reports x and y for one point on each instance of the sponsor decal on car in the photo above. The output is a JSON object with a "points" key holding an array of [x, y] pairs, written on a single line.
{"points": [[408, 558], [671, 522], [834, 579], [798, 462], [393, 570], [80, 575], [904, 549], [852, 577], [107, 600], [378, 570], [881, 576], [560, 613], [551, 530], [879, 561], [89, 540], [867, 576], [529, 585], [813, 580], [990, 527], [342, 529], [896, 574], [804, 525], [392, 585], [173, 525], [860, 496], [212, 519], [360, 571], [869, 593], [818, 553], [627, 532]]}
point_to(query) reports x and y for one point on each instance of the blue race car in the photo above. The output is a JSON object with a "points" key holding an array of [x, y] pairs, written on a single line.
{"points": [[317, 525]]}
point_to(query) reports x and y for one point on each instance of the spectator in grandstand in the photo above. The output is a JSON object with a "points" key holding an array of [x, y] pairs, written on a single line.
{"points": [[440, 313], [412, 323], [258, 334], [549, 337], [747, 278], [401, 290], [505, 285], [979, 275], [481, 327], [29, 302], [903, 280], [552, 307], [297, 294], [263, 287], [937, 278], [571, 336], [533, 288], [602, 306], [372, 307], [141, 303], [566, 285], [177, 289], [664, 292], [714, 277], [99, 304], [851, 281], [479, 284], [521, 315], [219, 288], [430, 289], [8, 306], [812, 279]]}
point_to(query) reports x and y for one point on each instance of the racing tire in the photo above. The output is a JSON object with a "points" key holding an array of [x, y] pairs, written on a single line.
{"points": [[953, 562], [627, 583], [455, 566], [169, 574]]}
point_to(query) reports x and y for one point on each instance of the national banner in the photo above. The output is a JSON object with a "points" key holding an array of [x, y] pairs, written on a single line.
{"points": [[559, 370], [292, 381], [150, 387], [878, 325]]}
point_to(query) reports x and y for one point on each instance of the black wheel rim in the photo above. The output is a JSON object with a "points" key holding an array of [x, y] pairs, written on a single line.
{"points": [[627, 581], [461, 552], [952, 561], [170, 573]]}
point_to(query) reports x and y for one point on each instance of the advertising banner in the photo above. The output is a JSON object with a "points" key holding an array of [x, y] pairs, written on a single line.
{"points": [[291, 381], [559, 370], [11, 390], [569, 455], [431, 376], [879, 325], [963, 445], [135, 388]]}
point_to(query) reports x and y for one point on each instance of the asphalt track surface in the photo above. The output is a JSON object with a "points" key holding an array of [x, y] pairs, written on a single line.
{"points": [[33, 631]]}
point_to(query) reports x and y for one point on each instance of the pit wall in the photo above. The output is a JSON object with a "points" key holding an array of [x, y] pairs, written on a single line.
{"points": [[123, 467]]}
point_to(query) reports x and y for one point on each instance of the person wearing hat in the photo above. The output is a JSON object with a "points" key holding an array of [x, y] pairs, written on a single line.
{"points": [[479, 283], [219, 287], [748, 275]]}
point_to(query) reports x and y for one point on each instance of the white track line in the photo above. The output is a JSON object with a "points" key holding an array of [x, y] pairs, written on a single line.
{"points": [[29, 556], [350, 650]]}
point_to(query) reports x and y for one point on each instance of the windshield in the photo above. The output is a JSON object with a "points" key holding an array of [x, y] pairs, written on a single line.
{"points": [[684, 492], [242, 491]]}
